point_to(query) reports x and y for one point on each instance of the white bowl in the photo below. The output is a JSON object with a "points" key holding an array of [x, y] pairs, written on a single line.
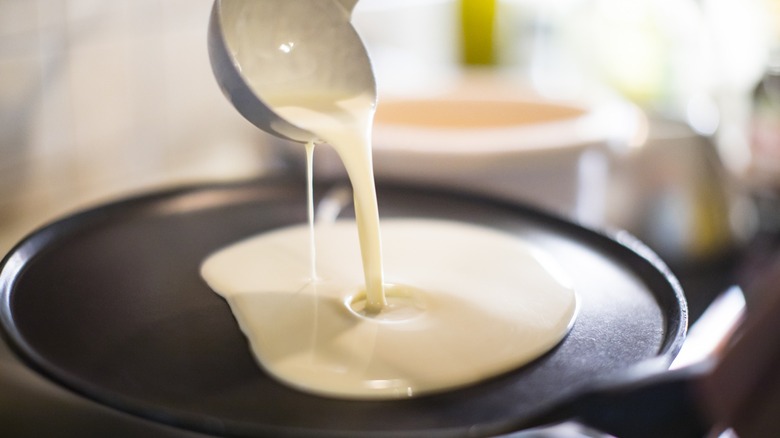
{"points": [[551, 154]]}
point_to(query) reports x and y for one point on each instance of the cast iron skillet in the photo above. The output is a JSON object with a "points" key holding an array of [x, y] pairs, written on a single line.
{"points": [[110, 304]]}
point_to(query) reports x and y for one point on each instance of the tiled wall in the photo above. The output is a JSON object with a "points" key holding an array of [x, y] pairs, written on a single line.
{"points": [[102, 98]]}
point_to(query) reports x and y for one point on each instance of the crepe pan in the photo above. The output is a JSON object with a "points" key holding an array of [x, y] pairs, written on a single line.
{"points": [[109, 303]]}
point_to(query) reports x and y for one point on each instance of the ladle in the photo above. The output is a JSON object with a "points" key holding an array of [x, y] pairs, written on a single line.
{"points": [[262, 49]]}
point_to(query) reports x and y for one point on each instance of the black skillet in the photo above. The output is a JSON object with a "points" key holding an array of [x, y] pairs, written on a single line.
{"points": [[109, 304]]}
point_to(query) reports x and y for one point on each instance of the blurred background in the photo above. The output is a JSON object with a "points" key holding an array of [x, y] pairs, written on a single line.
{"points": [[660, 117], [679, 139]]}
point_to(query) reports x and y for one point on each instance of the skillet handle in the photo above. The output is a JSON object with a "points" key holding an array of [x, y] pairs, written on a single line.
{"points": [[743, 391], [661, 404], [646, 402], [738, 388]]}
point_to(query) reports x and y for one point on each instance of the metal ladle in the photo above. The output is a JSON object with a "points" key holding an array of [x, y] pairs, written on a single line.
{"points": [[265, 49]]}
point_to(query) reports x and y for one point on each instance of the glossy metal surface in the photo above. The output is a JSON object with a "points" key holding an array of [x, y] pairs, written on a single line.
{"points": [[301, 47]]}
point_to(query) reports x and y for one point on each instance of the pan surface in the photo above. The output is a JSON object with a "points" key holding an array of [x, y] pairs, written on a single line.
{"points": [[110, 304]]}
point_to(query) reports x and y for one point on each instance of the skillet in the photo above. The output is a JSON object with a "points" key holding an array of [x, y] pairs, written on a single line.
{"points": [[109, 303]]}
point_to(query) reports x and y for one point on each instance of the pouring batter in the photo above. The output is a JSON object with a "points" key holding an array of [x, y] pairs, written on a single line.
{"points": [[464, 303]]}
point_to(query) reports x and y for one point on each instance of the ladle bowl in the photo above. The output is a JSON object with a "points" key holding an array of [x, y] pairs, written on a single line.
{"points": [[262, 49]]}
